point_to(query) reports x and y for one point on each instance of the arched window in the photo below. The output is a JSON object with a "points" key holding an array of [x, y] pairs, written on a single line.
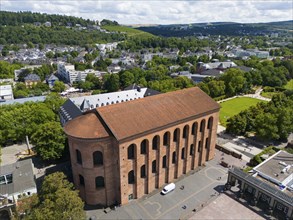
{"points": [[183, 153], [142, 172], [98, 158], [199, 146], [174, 157], [166, 141], [185, 131], [194, 128], [156, 141], [117, 101], [102, 104], [78, 157], [191, 152], [97, 105], [202, 125], [130, 151], [100, 182], [210, 122], [131, 179], [207, 143], [143, 147], [81, 180], [175, 135], [154, 166], [164, 161]]}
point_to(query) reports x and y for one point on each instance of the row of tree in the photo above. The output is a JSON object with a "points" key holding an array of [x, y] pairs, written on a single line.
{"points": [[269, 121], [39, 122]]}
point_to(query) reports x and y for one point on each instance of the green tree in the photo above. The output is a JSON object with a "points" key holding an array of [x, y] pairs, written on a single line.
{"points": [[58, 200], [49, 141], [111, 82], [59, 86], [126, 79], [266, 126], [216, 88]]}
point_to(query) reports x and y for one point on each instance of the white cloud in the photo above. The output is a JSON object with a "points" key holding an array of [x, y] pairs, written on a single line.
{"points": [[161, 12]]}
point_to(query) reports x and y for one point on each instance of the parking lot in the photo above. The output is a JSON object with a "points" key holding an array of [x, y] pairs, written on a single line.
{"points": [[200, 189]]}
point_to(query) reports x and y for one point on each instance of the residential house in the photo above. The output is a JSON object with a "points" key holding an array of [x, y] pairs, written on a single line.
{"points": [[51, 80], [31, 79]]}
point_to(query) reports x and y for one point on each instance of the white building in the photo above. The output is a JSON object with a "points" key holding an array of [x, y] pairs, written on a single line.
{"points": [[70, 75], [6, 92]]}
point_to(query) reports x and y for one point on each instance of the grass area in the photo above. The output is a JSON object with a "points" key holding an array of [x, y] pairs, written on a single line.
{"points": [[131, 32], [268, 94], [235, 106], [289, 85]]}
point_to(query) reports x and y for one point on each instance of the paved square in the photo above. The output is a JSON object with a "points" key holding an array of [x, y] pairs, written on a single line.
{"points": [[200, 189]]}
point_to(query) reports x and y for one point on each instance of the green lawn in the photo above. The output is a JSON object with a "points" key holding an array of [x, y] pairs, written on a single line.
{"points": [[289, 85], [129, 31], [234, 106], [268, 94]]}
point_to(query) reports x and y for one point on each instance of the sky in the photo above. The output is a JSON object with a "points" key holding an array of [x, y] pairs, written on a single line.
{"points": [[161, 12]]}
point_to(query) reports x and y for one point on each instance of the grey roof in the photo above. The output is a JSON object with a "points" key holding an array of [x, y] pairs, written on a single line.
{"points": [[23, 100], [32, 77], [211, 72], [273, 167], [69, 110], [52, 77], [270, 190], [22, 177]]}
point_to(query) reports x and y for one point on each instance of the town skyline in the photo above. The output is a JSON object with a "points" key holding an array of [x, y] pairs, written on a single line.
{"points": [[162, 12]]}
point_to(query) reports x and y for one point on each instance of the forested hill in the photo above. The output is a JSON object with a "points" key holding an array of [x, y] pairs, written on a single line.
{"points": [[20, 18], [218, 28]]}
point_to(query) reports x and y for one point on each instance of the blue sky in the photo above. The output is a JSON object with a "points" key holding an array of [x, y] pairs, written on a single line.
{"points": [[161, 12]]}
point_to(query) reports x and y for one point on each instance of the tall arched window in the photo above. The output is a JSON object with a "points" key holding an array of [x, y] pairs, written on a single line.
{"points": [[202, 125], [131, 179], [143, 146], [207, 143], [185, 131], [78, 157], [142, 171], [191, 152], [156, 141], [154, 166], [81, 180], [194, 128], [100, 182], [164, 161], [175, 135], [174, 157], [131, 151], [183, 153], [210, 123], [98, 158], [166, 141]]}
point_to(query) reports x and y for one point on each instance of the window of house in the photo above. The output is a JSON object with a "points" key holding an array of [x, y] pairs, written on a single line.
{"points": [[131, 179], [130, 151], [207, 143], [199, 146], [78, 157], [142, 171], [100, 182], [202, 125], [210, 123], [98, 158]]}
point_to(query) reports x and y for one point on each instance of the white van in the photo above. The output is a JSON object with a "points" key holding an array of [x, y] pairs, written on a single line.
{"points": [[168, 188]]}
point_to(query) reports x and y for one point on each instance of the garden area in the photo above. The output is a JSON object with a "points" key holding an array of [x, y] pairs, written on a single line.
{"points": [[234, 106]]}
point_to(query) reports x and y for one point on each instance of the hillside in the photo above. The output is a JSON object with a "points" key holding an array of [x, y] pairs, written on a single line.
{"points": [[218, 28], [131, 32]]}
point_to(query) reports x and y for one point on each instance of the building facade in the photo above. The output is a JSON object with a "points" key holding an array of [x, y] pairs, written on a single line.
{"points": [[124, 151]]}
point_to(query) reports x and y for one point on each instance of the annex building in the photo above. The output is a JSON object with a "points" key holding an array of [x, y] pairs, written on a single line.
{"points": [[126, 150]]}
